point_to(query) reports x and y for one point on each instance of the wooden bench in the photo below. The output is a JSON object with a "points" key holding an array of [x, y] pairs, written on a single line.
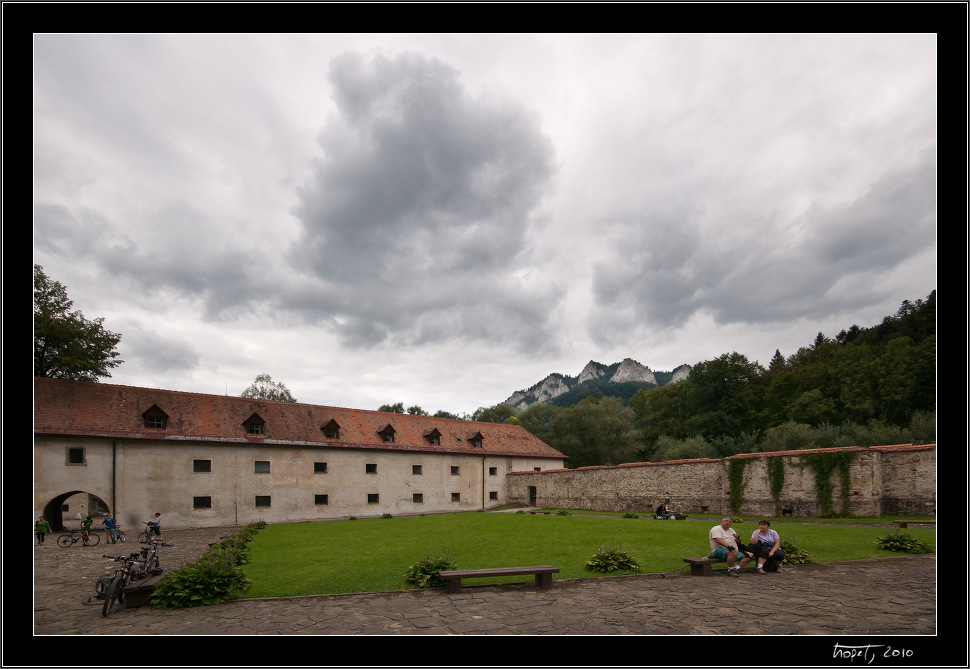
{"points": [[702, 566], [906, 523], [542, 573], [138, 592]]}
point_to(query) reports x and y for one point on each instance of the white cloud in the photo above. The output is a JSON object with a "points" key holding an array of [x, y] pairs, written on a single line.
{"points": [[444, 219]]}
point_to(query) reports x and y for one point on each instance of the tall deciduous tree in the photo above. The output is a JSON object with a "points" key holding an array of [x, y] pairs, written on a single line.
{"points": [[66, 344], [264, 388]]}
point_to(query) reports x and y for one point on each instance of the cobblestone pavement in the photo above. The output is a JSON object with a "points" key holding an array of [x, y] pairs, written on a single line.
{"points": [[885, 596]]}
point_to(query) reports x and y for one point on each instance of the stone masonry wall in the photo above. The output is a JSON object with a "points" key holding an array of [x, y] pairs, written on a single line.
{"points": [[898, 479]]}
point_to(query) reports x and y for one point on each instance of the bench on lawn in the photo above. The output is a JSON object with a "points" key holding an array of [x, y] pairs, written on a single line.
{"points": [[542, 573], [906, 523], [137, 592]]}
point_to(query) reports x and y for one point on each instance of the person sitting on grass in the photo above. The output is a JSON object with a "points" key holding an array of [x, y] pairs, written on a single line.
{"points": [[724, 545]]}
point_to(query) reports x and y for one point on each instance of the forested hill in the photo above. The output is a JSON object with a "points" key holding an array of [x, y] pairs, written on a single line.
{"points": [[863, 386]]}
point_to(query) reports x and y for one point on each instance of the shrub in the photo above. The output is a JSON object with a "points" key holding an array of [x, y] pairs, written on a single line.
{"points": [[794, 554], [387, 515], [425, 572], [563, 512], [214, 579], [903, 543], [610, 558], [630, 515]]}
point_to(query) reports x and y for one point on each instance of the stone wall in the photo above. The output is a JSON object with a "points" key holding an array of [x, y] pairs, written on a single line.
{"points": [[899, 479]]}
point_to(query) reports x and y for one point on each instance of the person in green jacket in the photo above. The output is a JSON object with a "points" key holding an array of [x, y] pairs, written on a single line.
{"points": [[41, 528], [86, 529]]}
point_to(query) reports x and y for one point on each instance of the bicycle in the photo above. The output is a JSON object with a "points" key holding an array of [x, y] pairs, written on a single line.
{"points": [[117, 533], [113, 590], [147, 534], [85, 537]]}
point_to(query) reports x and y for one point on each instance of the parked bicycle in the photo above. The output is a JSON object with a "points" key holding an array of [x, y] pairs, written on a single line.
{"points": [[84, 536], [114, 534], [113, 590]]}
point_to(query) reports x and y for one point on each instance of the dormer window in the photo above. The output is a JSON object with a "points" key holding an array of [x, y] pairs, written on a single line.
{"points": [[387, 433], [331, 430], [433, 436], [255, 424], [155, 418], [476, 439]]}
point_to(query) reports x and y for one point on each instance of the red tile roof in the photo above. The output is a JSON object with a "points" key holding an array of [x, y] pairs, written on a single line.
{"points": [[79, 408]]}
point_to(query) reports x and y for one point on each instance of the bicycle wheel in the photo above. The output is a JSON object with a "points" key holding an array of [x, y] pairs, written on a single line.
{"points": [[143, 538], [111, 595], [65, 540], [121, 536], [92, 540]]}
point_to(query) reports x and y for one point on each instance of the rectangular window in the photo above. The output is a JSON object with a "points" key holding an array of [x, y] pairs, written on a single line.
{"points": [[322, 500], [263, 501], [370, 468], [435, 441], [75, 456], [332, 433], [319, 467], [202, 465], [155, 422], [202, 502], [455, 497], [415, 469], [254, 428], [417, 498], [537, 469], [493, 496], [262, 466], [493, 471], [455, 471], [373, 498]]}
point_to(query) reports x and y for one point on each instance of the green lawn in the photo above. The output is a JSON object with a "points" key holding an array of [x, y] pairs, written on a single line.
{"points": [[373, 554]]}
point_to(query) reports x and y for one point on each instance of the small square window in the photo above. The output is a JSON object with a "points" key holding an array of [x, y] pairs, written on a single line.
{"points": [[202, 502], [493, 496], [156, 422], [370, 468], [456, 471], [455, 497], [319, 467], [262, 466], [321, 500], [263, 501], [417, 498], [75, 456], [537, 469], [493, 471], [202, 465], [373, 498], [254, 428], [415, 469]]}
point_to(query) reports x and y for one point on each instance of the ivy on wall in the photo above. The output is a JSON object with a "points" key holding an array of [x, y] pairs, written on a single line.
{"points": [[776, 479], [822, 465], [736, 479]]}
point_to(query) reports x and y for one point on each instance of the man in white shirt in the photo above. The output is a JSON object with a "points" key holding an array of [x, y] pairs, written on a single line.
{"points": [[724, 544]]}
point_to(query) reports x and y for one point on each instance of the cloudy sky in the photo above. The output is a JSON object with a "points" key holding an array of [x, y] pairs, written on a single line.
{"points": [[442, 220]]}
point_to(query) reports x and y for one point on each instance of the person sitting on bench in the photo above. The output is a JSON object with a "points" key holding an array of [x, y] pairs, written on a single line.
{"points": [[766, 545], [724, 545]]}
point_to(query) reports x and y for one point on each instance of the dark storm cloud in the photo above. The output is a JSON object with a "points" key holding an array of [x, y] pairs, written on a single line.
{"points": [[777, 270], [420, 206]]}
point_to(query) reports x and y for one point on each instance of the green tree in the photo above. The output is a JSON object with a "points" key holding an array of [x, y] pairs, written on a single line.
{"points": [[595, 432], [417, 411], [66, 344], [264, 388], [496, 414], [392, 408], [724, 396]]}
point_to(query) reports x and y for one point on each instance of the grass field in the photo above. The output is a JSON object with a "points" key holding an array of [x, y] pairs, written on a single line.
{"points": [[373, 554]]}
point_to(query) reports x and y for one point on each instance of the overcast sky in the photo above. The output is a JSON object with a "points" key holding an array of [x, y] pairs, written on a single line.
{"points": [[442, 220]]}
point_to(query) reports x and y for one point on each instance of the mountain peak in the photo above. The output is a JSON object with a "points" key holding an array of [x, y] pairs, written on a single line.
{"points": [[627, 371]]}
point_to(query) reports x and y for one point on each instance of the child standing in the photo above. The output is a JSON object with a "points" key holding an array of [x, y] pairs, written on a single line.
{"points": [[41, 527]]}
